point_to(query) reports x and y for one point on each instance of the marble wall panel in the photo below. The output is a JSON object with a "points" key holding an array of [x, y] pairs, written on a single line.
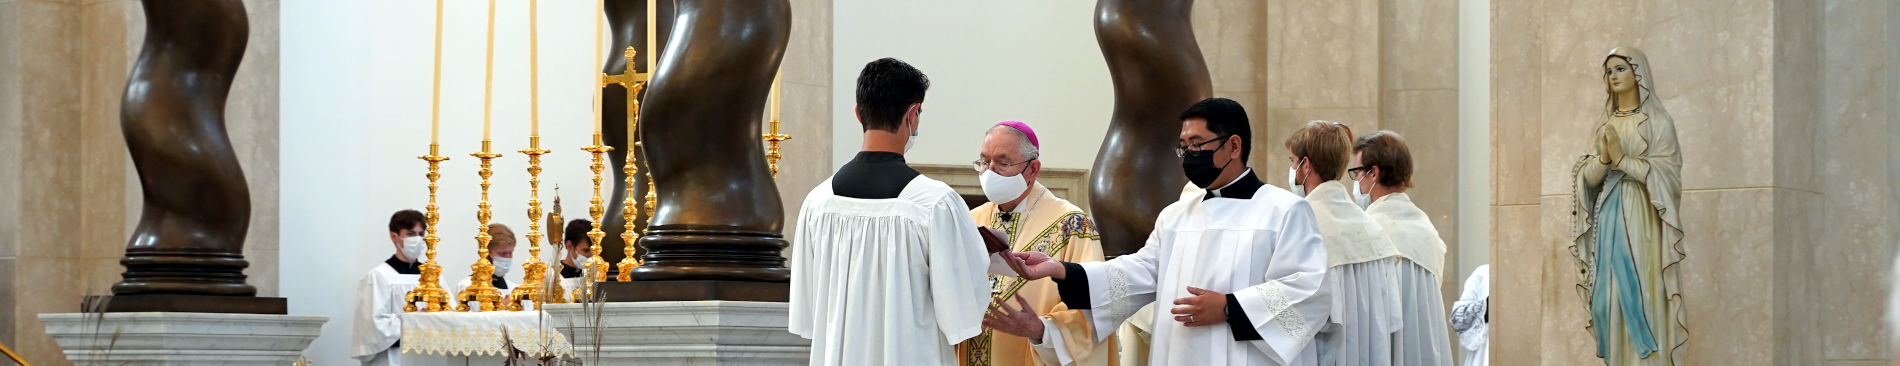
{"points": [[1516, 88], [9, 275], [11, 130], [1419, 43], [1230, 33], [1855, 240], [808, 50], [1798, 324], [1798, 95], [1517, 292], [1322, 54], [104, 63], [42, 290], [1730, 244]]}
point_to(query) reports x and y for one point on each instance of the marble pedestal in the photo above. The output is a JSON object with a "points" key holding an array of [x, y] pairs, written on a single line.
{"points": [[164, 339], [681, 333]]}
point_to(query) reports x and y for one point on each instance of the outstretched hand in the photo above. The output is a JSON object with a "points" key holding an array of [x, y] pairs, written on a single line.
{"points": [[1035, 266], [1021, 321]]}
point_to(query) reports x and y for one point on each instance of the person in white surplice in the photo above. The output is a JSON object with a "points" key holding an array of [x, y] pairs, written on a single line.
{"points": [[379, 299], [1361, 261], [887, 267], [501, 254], [1382, 171], [1471, 317], [1237, 275]]}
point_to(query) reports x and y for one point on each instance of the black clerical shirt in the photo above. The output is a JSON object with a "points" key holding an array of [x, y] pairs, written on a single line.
{"points": [[570, 271], [1075, 289], [873, 175], [402, 267]]}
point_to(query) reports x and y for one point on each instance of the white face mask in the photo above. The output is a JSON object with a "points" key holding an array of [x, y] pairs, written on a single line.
{"points": [[1001, 189], [1293, 183], [412, 247], [502, 265], [912, 141], [1363, 199]]}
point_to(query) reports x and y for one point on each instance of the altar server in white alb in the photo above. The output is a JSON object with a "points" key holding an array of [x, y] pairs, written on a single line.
{"points": [[1382, 171], [379, 299], [888, 268], [1361, 261], [1237, 274], [501, 253], [1471, 317]]}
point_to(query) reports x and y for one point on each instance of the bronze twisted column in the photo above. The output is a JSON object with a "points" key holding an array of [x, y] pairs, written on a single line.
{"points": [[1157, 71], [190, 236], [627, 22], [718, 216]]}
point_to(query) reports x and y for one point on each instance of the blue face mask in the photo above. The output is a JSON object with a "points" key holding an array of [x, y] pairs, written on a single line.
{"points": [[912, 141]]}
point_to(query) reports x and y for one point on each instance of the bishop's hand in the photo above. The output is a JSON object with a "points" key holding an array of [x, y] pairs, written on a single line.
{"points": [[1036, 265], [1020, 322]]}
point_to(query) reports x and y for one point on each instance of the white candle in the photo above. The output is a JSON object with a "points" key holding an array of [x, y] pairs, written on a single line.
{"points": [[534, 72], [775, 95], [653, 36], [488, 74], [599, 10], [435, 104]]}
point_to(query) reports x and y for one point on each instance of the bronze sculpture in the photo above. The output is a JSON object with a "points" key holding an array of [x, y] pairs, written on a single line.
{"points": [[627, 21], [189, 242], [719, 216], [1158, 71]]}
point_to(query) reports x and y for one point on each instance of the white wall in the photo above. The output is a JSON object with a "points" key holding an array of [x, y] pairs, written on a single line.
{"points": [[356, 94], [1474, 130], [988, 61]]}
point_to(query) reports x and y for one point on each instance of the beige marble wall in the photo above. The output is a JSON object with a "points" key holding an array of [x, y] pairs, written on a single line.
{"points": [[807, 107], [70, 192], [1787, 193]]}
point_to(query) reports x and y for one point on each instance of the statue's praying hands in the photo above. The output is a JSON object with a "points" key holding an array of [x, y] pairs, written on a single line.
{"points": [[1609, 147]]}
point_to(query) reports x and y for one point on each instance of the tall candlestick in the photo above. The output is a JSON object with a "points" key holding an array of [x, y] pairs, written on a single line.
{"points": [[532, 287], [599, 11], [435, 109], [653, 36], [488, 74]]}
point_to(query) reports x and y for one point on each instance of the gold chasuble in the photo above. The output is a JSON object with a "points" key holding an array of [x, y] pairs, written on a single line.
{"points": [[1053, 226]]}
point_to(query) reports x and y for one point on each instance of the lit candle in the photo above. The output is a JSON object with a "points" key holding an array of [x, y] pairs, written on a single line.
{"points": [[488, 74], [775, 96], [599, 9], [653, 36], [534, 73], [435, 109]]}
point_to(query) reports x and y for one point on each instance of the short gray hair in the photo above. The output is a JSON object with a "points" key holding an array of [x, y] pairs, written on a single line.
{"points": [[1023, 146]]}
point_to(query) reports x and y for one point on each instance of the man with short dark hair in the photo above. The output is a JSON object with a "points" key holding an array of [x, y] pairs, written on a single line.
{"points": [[1381, 172], [1242, 266], [576, 249], [383, 292], [890, 269]]}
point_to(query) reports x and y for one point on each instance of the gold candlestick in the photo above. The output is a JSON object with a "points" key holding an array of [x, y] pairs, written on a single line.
{"points": [[535, 271], [595, 264], [651, 198], [633, 82], [480, 290], [430, 291], [771, 146]]}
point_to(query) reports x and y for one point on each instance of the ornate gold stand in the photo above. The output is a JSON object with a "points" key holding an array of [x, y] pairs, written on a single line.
{"points": [[430, 291], [633, 83], [480, 289], [594, 264], [535, 271], [771, 147]]}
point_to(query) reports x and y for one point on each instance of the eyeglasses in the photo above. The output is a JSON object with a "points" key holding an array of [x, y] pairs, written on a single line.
{"points": [[980, 165], [1183, 151], [1356, 172]]}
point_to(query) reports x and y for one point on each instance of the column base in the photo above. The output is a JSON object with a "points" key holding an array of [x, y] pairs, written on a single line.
{"points": [[165, 339], [681, 333]]}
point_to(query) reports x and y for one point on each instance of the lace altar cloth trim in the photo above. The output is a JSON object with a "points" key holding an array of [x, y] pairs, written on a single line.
{"points": [[483, 334]]}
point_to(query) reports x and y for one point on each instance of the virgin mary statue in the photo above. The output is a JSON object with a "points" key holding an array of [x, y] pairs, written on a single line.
{"points": [[1628, 229]]}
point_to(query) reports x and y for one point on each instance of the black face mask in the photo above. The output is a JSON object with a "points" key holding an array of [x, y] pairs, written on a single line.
{"points": [[1200, 167]]}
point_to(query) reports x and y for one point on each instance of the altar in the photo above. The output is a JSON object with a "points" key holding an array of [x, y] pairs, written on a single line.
{"points": [[481, 338]]}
